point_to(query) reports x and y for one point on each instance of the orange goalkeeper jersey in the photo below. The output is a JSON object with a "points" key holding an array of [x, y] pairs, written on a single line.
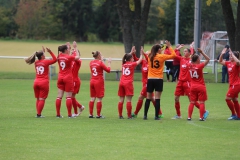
{"points": [[155, 69]]}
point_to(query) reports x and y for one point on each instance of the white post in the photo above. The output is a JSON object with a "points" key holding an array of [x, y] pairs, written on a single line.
{"points": [[197, 24], [177, 23]]}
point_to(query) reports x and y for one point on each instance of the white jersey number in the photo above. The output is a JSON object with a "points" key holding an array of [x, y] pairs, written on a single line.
{"points": [[94, 71], [126, 71], [194, 74], [63, 65], [40, 69]]}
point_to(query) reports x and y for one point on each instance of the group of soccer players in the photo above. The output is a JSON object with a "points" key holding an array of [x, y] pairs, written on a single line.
{"points": [[190, 81]]}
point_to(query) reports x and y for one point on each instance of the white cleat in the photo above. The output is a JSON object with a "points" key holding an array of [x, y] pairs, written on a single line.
{"points": [[81, 110]]}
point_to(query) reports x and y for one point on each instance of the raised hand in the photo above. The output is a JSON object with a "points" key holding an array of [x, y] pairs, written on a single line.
{"points": [[74, 44], [48, 50], [199, 50], [168, 43]]}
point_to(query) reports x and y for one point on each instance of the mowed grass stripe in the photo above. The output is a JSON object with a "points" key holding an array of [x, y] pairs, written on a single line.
{"points": [[25, 137]]}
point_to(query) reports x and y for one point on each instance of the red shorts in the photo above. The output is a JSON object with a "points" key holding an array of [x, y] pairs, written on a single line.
{"points": [[125, 88], [41, 89], [198, 94], [97, 88], [76, 84], [65, 84], [233, 91], [182, 88]]}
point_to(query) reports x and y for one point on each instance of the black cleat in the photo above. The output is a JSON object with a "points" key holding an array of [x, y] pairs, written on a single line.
{"points": [[145, 118], [121, 117], [91, 116]]}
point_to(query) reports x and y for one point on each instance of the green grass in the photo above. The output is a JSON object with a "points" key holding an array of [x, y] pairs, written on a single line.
{"points": [[25, 137]]}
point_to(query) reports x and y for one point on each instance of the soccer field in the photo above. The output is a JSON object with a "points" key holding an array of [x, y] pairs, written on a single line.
{"points": [[26, 137]]}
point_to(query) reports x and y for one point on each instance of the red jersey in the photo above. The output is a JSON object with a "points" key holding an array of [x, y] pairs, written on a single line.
{"points": [[128, 71], [196, 75], [144, 67], [97, 67], [176, 61], [65, 65], [184, 75], [75, 67], [42, 67], [233, 71]]}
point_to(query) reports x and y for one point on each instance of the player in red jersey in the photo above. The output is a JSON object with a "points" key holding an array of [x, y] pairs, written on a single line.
{"points": [[234, 83], [97, 67], [41, 82], [65, 79], [184, 83], [198, 89], [143, 93], [126, 83], [76, 82]]}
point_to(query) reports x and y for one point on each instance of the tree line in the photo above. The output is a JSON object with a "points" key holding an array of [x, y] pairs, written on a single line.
{"points": [[102, 20]]}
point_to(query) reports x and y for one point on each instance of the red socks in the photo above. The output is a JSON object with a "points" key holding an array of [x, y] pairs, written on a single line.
{"points": [[138, 107], [40, 106], [74, 103], [69, 105], [58, 105], [202, 109], [120, 108], [99, 108], [91, 105], [129, 109], [237, 109], [78, 104], [190, 110], [177, 107], [231, 106], [37, 105], [197, 105], [160, 111]]}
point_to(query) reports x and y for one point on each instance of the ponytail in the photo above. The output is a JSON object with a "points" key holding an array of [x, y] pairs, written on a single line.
{"points": [[62, 48], [127, 57], [154, 51], [32, 58]]}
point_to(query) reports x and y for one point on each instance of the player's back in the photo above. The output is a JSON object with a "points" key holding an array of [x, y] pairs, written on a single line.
{"points": [[65, 65], [96, 67], [42, 68], [128, 71], [196, 75]]}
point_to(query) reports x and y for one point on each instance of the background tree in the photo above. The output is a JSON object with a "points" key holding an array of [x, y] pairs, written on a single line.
{"points": [[133, 21], [232, 23]]}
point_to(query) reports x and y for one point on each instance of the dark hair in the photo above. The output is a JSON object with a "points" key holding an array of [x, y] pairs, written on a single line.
{"points": [[194, 58], [126, 57], [62, 48], [32, 58], [227, 46], [154, 51], [188, 50], [95, 54]]}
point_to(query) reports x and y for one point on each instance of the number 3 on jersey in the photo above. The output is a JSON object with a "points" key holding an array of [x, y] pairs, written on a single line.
{"points": [[94, 71], [194, 74], [126, 71], [155, 64]]}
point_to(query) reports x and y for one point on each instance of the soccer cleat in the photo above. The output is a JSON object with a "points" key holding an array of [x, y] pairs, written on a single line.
{"points": [[81, 110], [189, 119], [160, 116], [121, 117], [134, 115], [177, 117], [74, 115], [130, 118], [39, 116], [157, 118], [237, 118], [205, 115], [101, 116], [201, 119], [71, 117], [91, 116], [232, 117], [59, 116], [145, 118]]}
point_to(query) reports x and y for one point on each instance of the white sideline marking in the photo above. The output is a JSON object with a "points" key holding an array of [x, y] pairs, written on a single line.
{"points": [[200, 126]]}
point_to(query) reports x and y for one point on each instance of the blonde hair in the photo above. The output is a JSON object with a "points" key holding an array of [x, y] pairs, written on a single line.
{"points": [[32, 58]]}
